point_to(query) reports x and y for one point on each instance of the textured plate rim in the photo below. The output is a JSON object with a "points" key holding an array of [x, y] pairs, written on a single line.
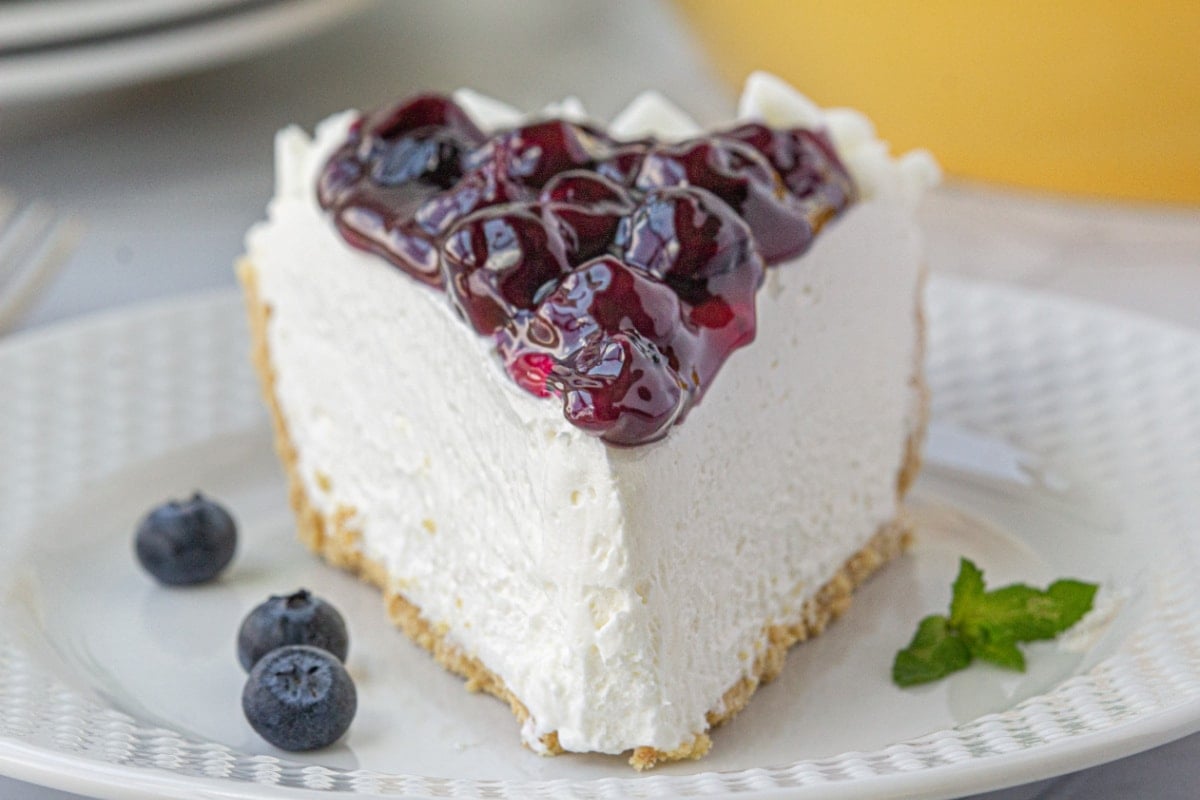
{"points": [[71, 772], [113, 782]]}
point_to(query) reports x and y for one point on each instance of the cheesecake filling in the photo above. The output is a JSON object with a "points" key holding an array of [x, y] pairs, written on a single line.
{"points": [[617, 592], [617, 275]]}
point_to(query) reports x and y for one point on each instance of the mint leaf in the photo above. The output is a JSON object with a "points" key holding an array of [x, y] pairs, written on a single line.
{"points": [[1073, 600], [1018, 612], [997, 646], [989, 625], [968, 589], [934, 653]]}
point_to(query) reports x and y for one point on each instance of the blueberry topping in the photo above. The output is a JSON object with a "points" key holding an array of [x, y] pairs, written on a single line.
{"points": [[297, 618], [299, 698], [741, 177], [617, 276], [585, 209], [497, 262], [535, 153], [186, 542], [623, 162], [394, 161]]}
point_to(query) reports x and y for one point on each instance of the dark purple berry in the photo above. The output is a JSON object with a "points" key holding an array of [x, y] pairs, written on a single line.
{"points": [[809, 166], [299, 698], [186, 542], [586, 209], [535, 153], [498, 261], [740, 176], [594, 301], [297, 618], [623, 390], [686, 235], [610, 340], [607, 294], [423, 112], [731, 170], [393, 162], [623, 163], [803, 158], [479, 189]]}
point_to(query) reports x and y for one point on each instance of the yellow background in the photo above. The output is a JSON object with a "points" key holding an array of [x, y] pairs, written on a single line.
{"points": [[1099, 98]]}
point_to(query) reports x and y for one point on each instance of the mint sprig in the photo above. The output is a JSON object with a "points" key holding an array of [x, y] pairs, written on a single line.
{"points": [[989, 625]]}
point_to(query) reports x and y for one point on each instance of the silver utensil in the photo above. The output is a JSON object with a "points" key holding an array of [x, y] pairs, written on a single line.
{"points": [[35, 240]]}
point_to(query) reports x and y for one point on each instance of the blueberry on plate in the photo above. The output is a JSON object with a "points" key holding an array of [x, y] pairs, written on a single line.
{"points": [[186, 542], [299, 698], [297, 618]]}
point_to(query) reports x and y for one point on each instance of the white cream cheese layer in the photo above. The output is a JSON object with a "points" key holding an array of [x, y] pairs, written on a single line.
{"points": [[617, 592]]}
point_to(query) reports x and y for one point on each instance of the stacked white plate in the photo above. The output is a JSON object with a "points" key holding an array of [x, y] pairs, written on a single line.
{"points": [[52, 48]]}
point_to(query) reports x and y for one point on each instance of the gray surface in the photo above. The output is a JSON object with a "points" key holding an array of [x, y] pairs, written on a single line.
{"points": [[169, 176]]}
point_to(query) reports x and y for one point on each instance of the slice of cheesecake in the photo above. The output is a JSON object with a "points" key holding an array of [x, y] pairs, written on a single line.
{"points": [[623, 576]]}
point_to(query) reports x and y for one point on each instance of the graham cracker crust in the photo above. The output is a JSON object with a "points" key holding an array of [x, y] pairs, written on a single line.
{"points": [[338, 543]]}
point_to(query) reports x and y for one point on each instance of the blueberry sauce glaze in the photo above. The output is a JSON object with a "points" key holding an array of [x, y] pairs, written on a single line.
{"points": [[616, 275]]}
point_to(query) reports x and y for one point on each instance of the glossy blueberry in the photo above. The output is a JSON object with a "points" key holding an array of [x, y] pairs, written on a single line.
{"points": [[598, 299], [743, 178], [535, 153], [392, 164], [299, 698], [586, 210], [297, 618], [623, 390], [607, 295], [497, 261], [623, 163], [481, 188], [186, 542], [615, 275], [687, 235], [805, 160]]}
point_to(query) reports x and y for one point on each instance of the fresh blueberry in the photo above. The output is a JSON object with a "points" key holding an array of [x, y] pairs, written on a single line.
{"points": [[187, 542], [299, 698], [298, 618]]}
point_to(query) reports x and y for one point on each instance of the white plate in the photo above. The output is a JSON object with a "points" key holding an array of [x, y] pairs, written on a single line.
{"points": [[39, 74], [1067, 442], [25, 23]]}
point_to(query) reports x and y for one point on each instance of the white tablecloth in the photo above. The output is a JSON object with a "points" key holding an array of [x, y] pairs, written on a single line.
{"points": [[168, 177]]}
